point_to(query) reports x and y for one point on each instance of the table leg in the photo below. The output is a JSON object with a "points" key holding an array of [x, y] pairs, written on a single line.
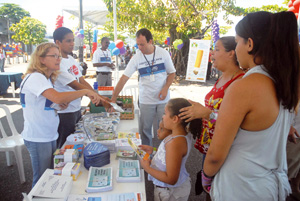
{"points": [[13, 88]]}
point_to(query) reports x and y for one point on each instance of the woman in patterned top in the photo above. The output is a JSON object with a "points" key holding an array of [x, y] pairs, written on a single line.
{"points": [[224, 59]]}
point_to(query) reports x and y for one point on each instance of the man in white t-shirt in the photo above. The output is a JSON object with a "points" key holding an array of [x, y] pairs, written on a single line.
{"points": [[157, 73], [69, 79], [102, 60]]}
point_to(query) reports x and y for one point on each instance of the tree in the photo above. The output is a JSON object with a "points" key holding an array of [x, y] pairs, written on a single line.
{"points": [[30, 31], [174, 18], [13, 12]]}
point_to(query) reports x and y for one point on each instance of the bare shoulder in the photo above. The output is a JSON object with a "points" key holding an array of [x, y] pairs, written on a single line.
{"points": [[178, 145]]}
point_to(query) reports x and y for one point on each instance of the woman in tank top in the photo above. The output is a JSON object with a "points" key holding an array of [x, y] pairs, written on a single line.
{"points": [[246, 159]]}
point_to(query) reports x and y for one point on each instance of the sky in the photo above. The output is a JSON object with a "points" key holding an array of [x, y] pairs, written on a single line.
{"points": [[47, 10]]}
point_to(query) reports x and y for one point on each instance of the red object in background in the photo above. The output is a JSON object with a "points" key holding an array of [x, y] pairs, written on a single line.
{"points": [[119, 44], [94, 47], [59, 21], [84, 46], [296, 5], [292, 9], [166, 42]]}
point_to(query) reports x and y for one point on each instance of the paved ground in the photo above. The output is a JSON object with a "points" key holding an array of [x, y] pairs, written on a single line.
{"points": [[10, 187]]}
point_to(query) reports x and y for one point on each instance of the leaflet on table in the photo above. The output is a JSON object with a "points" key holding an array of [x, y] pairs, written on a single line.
{"points": [[128, 135], [99, 179], [126, 154], [107, 197], [79, 148], [129, 171], [142, 154], [68, 169], [53, 186], [104, 136]]}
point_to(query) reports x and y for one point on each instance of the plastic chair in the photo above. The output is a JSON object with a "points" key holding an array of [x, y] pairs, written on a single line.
{"points": [[12, 143], [131, 90]]}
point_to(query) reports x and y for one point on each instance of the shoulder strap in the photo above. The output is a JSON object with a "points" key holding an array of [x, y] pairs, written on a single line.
{"points": [[171, 138], [232, 80]]}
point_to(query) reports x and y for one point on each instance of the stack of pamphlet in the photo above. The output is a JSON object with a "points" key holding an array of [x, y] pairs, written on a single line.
{"points": [[126, 154], [99, 180], [107, 197], [124, 145], [79, 148], [94, 124], [129, 171], [68, 169], [96, 155], [65, 155], [52, 187], [107, 139]]}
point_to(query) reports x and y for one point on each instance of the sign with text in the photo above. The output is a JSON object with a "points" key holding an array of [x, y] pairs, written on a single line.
{"points": [[198, 60]]}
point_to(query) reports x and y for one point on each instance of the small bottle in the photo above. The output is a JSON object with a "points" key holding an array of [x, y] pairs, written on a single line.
{"points": [[96, 86]]}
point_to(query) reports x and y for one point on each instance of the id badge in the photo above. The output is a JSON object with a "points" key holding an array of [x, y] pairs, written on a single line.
{"points": [[152, 78]]}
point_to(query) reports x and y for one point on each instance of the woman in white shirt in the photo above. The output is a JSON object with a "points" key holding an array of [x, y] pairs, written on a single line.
{"points": [[37, 98]]}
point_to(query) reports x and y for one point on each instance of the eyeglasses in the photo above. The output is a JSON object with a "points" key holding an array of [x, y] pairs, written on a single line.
{"points": [[54, 56]]}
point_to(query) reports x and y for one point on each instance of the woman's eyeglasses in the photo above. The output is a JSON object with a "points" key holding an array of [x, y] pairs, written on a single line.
{"points": [[54, 56]]}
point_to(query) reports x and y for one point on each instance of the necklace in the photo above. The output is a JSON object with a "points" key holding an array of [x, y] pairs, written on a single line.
{"points": [[152, 59], [106, 56], [234, 74]]}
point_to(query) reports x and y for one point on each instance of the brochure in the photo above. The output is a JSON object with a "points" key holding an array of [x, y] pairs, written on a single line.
{"points": [[142, 154]]}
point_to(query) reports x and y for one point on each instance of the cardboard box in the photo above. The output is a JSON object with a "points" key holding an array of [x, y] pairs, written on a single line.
{"points": [[127, 105]]}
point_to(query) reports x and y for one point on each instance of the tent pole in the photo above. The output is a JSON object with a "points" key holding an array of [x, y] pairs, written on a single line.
{"points": [[80, 27], [116, 38]]}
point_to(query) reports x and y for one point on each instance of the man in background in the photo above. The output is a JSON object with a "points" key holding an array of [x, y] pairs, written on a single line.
{"points": [[102, 60]]}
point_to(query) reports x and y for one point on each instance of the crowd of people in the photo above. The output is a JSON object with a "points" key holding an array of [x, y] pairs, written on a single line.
{"points": [[242, 130]]}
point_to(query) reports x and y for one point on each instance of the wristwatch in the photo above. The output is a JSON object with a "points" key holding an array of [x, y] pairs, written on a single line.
{"points": [[213, 117]]}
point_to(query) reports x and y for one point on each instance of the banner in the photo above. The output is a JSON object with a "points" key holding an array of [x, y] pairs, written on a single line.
{"points": [[198, 60]]}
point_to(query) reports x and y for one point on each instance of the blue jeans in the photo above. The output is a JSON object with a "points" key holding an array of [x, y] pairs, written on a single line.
{"points": [[41, 154], [149, 113]]}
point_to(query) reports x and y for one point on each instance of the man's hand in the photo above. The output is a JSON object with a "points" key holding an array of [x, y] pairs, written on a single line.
{"points": [[111, 65], [163, 94]]}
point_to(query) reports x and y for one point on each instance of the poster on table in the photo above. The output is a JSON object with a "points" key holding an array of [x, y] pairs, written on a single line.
{"points": [[198, 60]]}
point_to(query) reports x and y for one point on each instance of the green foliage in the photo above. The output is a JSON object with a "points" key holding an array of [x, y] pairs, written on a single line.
{"points": [[29, 31], [269, 8], [185, 19], [111, 36], [13, 12]]}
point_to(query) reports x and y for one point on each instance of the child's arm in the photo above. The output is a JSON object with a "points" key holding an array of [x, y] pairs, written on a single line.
{"points": [[176, 149]]}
